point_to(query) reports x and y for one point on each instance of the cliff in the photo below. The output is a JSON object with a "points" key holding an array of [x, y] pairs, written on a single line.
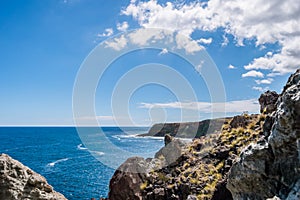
{"points": [[252, 157], [18, 182], [187, 129]]}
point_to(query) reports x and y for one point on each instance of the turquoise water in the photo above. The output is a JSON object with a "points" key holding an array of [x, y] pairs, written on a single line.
{"points": [[71, 165]]}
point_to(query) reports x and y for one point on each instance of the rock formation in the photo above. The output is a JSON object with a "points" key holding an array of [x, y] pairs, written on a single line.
{"points": [[18, 182], [267, 101], [271, 167], [126, 181], [253, 157], [187, 129]]}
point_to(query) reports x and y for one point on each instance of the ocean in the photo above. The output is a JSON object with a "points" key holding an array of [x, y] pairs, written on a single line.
{"points": [[77, 165]]}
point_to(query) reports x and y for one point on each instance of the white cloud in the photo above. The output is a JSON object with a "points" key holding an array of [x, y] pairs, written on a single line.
{"points": [[253, 73], [264, 21], [225, 41], [261, 89], [108, 32], [231, 67], [100, 118], [205, 41], [207, 107], [163, 51], [264, 81], [190, 46], [122, 26], [117, 43]]}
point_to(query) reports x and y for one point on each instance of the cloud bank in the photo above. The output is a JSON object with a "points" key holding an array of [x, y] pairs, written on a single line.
{"points": [[251, 105], [263, 21]]}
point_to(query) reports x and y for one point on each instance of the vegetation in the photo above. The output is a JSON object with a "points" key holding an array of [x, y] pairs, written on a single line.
{"points": [[206, 161]]}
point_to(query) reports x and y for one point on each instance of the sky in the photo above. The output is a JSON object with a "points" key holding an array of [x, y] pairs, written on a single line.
{"points": [[248, 47]]}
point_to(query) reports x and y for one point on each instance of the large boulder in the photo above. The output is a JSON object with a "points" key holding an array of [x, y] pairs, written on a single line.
{"points": [[272, 168], [128, 179], [267, 101], [19, 182], [172, 150]]}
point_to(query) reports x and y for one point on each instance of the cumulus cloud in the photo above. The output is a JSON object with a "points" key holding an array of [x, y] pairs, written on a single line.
{"points": [[253, 73], [117, 43], [261, 89], [205, 41], [207, 107], [190, 46], [108, 32], [264, 81], [122, 26], [263, 21], [231, 67]]}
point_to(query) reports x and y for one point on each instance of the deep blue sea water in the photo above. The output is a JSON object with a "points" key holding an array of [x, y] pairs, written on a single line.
{"points": [[72, 163]]}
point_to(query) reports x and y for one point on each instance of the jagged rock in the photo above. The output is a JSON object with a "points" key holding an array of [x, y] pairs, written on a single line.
{"points": [[186, 129], [19, 182], [270, 169], [267, 101], [239, 121], [168, 139], [247, 178], [171, 152], [127, 180]]}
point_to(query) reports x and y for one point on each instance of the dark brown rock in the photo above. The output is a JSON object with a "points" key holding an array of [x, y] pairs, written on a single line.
{"points": [[168, 139], [267, 101], [126, 181], [239, 121], [171, 152]]}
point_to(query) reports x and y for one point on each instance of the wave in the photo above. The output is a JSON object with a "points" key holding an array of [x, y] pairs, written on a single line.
{"points": [[52, 164], [99, 153], [81, 147], [135, 136]]}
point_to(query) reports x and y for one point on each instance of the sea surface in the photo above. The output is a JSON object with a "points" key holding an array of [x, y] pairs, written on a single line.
{"points": [[76, 165]]}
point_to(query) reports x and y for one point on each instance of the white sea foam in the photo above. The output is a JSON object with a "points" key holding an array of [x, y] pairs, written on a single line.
{"points": [[81, 147], [52, 164], [99, 153]]}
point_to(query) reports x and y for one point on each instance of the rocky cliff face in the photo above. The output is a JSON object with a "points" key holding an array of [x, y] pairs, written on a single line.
{"points": [[18, 182], [253, 157], [186, 130], [271, 167]]}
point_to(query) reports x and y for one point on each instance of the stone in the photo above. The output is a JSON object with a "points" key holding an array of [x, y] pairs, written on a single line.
{"points": [[19, 182], [272, 168], [171, 152], [238, 121], [267, 101], [168, 139], [127, 179]]}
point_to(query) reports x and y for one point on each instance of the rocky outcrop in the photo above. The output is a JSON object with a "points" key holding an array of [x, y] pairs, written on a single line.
{"points": [[252, 157], [126, 181], [268, 101], [18, 182], [187, 129], [171, 151], [195, 170], [271, 167]]}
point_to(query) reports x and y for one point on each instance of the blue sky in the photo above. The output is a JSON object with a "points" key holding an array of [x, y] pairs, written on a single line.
{"points": [[44, 43]]}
